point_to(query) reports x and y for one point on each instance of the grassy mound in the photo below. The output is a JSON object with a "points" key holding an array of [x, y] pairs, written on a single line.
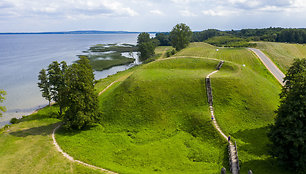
{"points": [[157, 120], [244, 104], [282, 54], [27, 147]]}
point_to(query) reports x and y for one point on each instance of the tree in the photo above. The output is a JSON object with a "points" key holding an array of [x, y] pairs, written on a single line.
{"points": [[82, 108], [146, 46], [2, 98], [143, 37], [288, 134], [180, 36], [44, 85], [56, 72]]}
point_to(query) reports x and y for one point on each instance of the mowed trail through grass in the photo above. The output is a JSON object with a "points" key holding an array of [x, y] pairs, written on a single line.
{"points": [[156, 121], [27, 147], [282, 54]]}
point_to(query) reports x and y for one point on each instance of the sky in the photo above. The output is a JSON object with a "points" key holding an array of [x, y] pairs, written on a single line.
{"points": [[148, 15]]}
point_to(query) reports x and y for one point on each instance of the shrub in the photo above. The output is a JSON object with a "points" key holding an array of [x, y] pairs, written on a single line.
{"points": [[14, 120]]}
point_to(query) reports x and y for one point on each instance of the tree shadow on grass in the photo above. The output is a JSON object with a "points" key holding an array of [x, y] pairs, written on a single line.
{"points": [[41, 130], [266, 166], [256, 141]]}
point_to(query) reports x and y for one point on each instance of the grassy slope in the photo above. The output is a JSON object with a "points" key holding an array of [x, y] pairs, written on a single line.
{"points": [[155, 121], [282, 53], [27, 147], [244, 105]]}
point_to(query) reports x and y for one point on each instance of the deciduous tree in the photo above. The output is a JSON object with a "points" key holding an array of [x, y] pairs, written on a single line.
{"points": [[44, 85], [2, 98], [82, 107], [180, 36], [288, 134]]}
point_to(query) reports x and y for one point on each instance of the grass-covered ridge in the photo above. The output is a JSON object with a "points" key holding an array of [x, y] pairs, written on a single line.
{"points": [[282, 54], [157, 120], [244, 104]]}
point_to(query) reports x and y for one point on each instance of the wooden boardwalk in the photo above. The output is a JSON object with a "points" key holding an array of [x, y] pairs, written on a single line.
{"points": [[232, 148]]}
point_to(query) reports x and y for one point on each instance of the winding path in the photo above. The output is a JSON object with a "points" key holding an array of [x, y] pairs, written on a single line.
{"points": [[70, 158], [232, 149]]}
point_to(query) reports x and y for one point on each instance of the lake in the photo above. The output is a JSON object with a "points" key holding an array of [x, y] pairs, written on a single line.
{"points": [[22, 56]]}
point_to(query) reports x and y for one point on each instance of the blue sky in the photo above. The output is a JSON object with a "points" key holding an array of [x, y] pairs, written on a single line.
{"points": [[148, 15]]}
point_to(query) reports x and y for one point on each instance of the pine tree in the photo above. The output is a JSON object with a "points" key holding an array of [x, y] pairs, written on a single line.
{"points": [[288, 134]]}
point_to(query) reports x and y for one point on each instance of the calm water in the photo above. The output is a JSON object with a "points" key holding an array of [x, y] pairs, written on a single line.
{"points": [[23, 56]]}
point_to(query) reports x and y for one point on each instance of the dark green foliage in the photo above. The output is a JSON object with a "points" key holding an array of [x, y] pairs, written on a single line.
{"points": [[14, 120], [44, 85], [170, 52], [292, 35], [82, 106], [288, 134], [163, 39], [56, 73], [229, 41], [206, 34], [146, 46], [265, 34], [2, 108], [180, 36]]}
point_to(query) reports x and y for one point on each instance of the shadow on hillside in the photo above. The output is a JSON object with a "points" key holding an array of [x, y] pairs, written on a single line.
{"points": [[256, 141], [41, 130], [266, 166]]}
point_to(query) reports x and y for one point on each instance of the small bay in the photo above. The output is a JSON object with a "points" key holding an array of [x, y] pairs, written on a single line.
{"points": [[22, 56]]}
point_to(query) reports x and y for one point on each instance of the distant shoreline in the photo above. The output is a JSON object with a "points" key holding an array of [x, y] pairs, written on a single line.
{"points": [[76, 32]]}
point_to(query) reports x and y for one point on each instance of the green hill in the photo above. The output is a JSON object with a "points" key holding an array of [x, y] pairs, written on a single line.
{"points": [[156, 120], [282, 54]]}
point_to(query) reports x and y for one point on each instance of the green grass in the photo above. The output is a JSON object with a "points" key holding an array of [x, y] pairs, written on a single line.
{"points": [[244, 104], [157, 120], [282, 54], [27, 147]]}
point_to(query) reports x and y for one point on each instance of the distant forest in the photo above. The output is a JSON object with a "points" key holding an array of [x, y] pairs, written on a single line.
{"points": [[267, 34]]}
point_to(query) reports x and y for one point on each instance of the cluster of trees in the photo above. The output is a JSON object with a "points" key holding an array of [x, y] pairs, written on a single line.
{"points": [[266, 34], [72, 88], [146, 46], [2, 108], [288, 134], [179, 37]]}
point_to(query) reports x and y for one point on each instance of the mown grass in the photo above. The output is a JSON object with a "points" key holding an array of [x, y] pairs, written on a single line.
{"points": [[282, 54], [155, 121], [27, 147]]}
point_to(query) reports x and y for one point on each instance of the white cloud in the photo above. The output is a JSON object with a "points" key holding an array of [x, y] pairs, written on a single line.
{"points": [[187, 13], [156, 12]]}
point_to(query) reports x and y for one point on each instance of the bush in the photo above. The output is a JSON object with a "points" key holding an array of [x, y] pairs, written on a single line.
{"points": [[14, 120]]}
